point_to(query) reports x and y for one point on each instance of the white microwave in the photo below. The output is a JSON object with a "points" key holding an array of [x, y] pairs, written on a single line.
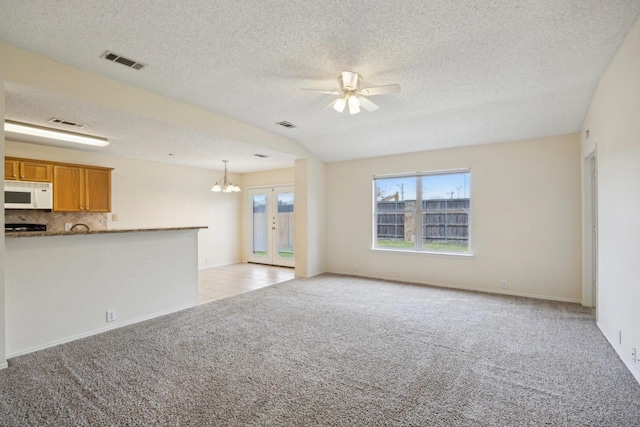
{"points": [[28, 195]]}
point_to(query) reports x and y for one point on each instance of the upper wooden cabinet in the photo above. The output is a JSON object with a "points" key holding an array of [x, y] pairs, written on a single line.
{"points": [[68, 189], [11, 169], [97, 190], [81, 189], [76, 188], [27, 170]]}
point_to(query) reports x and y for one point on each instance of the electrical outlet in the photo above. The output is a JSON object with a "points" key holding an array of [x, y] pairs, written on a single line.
{"points": [[114, 217], [111, 315], [634, 355], [503, 283], [354, 268], [67, 226]]}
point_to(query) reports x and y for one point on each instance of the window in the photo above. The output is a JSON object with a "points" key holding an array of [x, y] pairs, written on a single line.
{"points": [[423, 212]]}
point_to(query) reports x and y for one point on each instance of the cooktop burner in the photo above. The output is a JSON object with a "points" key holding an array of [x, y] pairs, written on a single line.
{"points": [[25, 227]]}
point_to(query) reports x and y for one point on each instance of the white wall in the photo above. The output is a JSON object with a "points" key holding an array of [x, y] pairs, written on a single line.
{"points": [[525, 219], [150, 195], [78, 278], [613, 122]]}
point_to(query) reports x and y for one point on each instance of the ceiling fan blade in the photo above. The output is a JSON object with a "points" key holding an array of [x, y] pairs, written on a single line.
{"points": [[336, 104], [367, 105], [328, 92], [380, 90], [330, 105]]}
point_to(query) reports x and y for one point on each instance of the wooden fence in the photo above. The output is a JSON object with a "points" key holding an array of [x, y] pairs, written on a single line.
{"points": [[443, 220]]}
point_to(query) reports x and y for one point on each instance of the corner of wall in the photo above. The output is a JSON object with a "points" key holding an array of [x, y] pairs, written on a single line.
{"points": [[3, 363], [310, 217]]}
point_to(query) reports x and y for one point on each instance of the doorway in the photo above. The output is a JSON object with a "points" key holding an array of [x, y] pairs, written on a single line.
{"points": [[271, 228]]}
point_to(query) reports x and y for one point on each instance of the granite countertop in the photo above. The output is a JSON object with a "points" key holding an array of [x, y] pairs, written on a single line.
{"points": [[75, 233]]}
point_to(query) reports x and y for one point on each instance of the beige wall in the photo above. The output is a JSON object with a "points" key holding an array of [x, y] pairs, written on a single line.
{"points": [[525, 219], [156, 195], [614, 127], [310, 216]]}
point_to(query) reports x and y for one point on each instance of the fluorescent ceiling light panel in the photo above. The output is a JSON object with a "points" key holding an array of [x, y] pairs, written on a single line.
{"points": [[61, 135]]}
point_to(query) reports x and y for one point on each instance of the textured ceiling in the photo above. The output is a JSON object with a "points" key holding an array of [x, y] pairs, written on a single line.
{"points": [[134, 136], [471, 72]]}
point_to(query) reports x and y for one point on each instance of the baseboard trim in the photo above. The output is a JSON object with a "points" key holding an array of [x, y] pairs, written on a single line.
{"points": [[99, 331], [464, 288], [4, 365], [208, 266], [623, 356]]}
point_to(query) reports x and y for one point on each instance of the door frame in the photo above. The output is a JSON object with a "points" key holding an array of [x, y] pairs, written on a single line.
{"points": [[590, 216], [272, 237]]}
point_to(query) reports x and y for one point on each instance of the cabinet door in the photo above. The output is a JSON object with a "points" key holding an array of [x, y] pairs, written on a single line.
{"points": [[97, 184], [11, 169], [68, 189], [35, 171]]}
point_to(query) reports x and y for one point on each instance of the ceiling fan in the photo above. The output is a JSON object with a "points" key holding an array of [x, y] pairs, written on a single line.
{"points": [[353, 95]]}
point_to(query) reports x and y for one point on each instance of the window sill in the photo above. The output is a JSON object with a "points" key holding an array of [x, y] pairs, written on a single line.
{"points": [[404, 251]]}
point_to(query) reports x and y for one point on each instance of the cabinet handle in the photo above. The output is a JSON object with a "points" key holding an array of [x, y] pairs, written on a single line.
{"points": [[21, 176]]}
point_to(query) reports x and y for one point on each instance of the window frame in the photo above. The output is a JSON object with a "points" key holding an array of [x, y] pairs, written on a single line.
{"points": [[419, 214]]}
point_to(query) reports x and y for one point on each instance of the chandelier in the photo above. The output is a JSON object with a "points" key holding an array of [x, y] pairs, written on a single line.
{"points": [[226, 185]]}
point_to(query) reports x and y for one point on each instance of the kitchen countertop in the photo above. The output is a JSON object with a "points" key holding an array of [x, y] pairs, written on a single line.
{"points": [[75, 233]]}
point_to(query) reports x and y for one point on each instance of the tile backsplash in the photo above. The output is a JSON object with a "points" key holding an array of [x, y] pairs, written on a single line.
{"points": [[55, 220]]}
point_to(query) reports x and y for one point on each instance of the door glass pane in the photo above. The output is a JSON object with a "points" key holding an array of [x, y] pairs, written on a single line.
{"points": [[285, 226], [395, 213], [260, 224], [445, 212]]}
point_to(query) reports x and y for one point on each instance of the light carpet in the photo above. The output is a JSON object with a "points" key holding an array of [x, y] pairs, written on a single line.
{"points": [[334, 351]]}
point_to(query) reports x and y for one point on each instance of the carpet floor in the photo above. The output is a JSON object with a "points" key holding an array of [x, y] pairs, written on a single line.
{"points": [[334, 351]]}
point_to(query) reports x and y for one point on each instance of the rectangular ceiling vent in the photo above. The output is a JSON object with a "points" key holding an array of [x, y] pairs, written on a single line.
{"points": [[122, 60], [67, 122], [286, 124]]}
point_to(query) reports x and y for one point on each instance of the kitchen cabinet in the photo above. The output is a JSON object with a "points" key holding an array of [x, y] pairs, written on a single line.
{"points": [[27, 170], [11, 169], [81, 189], [97, 188]]}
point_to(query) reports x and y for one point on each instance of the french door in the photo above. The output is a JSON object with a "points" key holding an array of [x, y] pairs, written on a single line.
{"points": [[271, 228]]}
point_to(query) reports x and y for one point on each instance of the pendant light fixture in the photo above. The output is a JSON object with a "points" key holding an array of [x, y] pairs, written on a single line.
{"points": [[226, 186]]}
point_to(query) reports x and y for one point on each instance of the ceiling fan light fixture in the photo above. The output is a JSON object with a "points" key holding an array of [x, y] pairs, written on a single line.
{"points": [[352, 94], [351, 80], [339, 105], [354, 105]]}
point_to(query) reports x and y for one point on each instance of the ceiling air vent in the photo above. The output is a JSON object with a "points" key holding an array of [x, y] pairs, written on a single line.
{"points": [[262, 156], [66, 122], [122, 60], [286, 124]]}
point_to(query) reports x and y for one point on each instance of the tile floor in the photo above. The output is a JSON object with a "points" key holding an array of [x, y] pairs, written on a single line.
{"points": [[221, 282]]}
